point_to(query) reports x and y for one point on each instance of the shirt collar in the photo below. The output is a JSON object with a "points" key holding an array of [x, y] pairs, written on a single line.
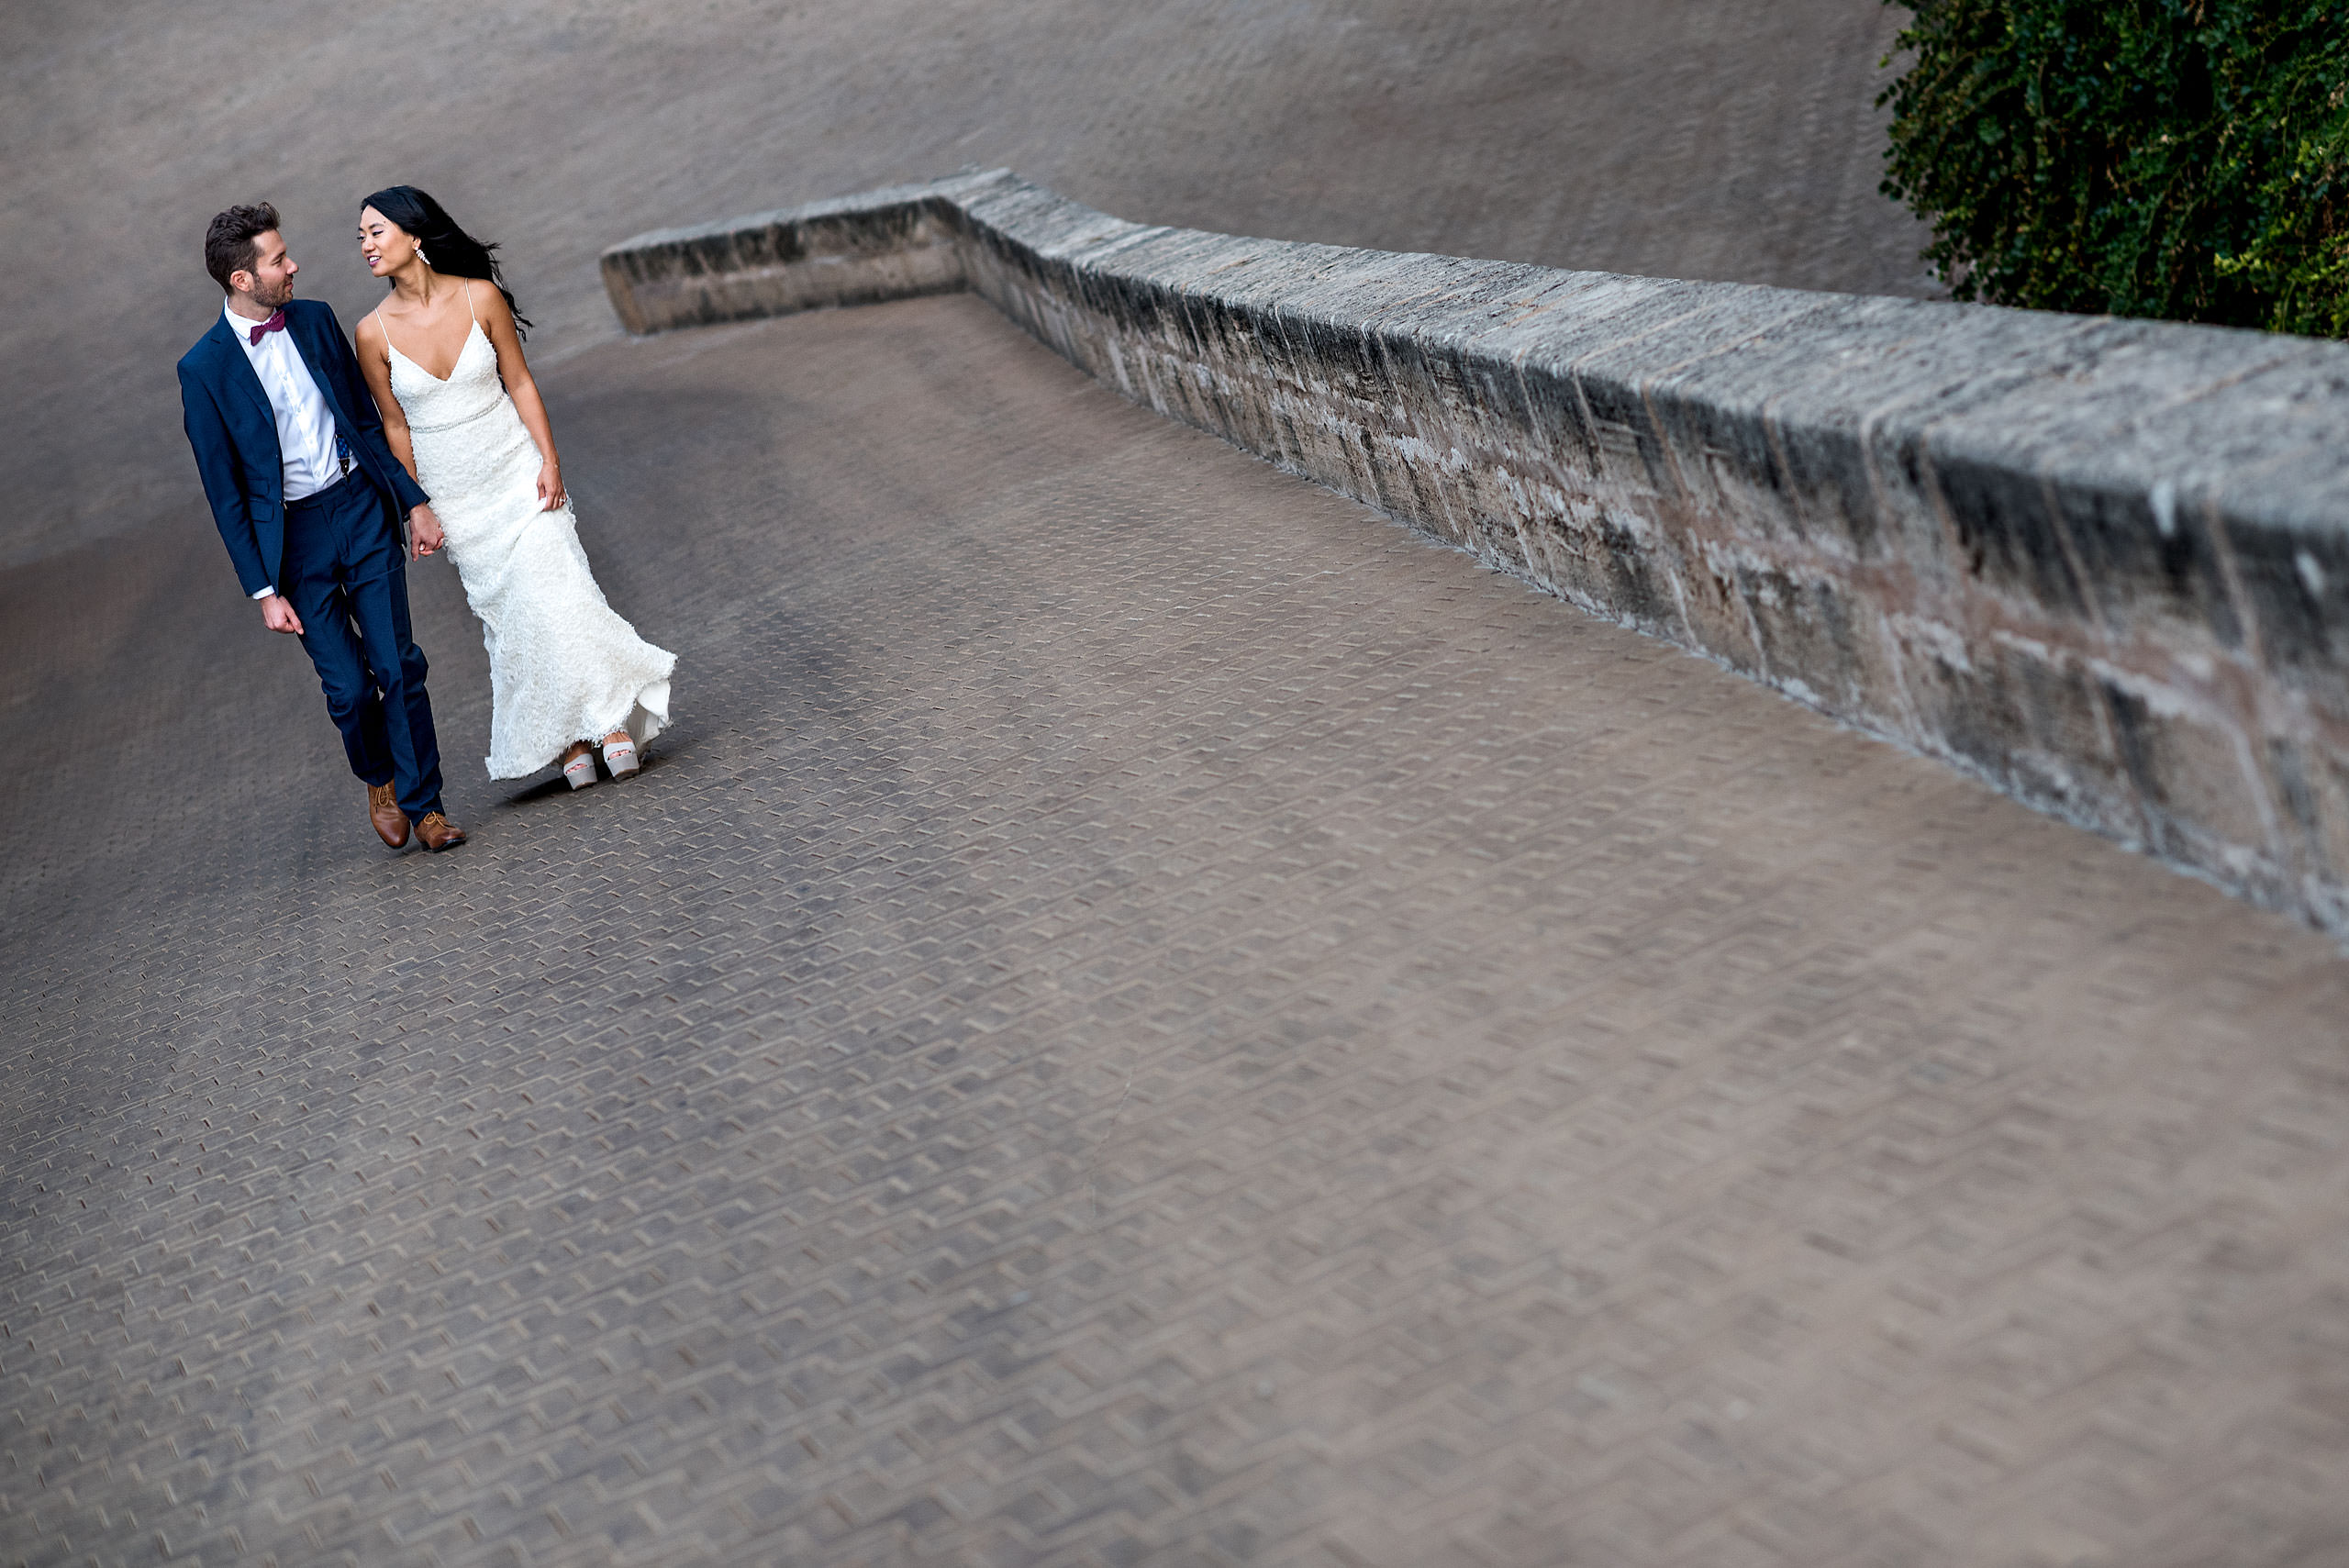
{"points": [[239, 325]]}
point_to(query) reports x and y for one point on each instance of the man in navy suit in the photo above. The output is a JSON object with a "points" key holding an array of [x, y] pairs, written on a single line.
{"points": [[309, 501]]}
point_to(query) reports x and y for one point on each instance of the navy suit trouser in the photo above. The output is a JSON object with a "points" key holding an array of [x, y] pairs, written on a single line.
{"points": [[345, 574]]}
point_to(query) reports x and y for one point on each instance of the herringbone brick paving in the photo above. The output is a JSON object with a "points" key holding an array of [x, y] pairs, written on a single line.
{"points": [[1143, 1015]]}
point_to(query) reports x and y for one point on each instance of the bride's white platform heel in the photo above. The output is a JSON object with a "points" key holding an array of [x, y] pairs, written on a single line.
{"points": [[621, 757], [580, 772]]}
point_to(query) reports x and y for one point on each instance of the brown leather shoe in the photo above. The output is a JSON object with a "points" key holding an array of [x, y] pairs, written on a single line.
{"points": [[384, 811], [436, 833]]}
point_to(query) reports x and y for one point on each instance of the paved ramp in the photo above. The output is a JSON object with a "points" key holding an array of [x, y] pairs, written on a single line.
{"points": [[1709, 138], [1143, 1015]]}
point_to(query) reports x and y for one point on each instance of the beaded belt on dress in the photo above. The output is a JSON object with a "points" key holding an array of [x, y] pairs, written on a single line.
{"points": [[427, 429]]}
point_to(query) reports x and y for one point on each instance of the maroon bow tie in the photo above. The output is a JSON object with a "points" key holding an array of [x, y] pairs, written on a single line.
{"points": [[276, 323]]}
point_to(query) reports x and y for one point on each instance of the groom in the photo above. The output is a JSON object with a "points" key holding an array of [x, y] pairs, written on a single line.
{"points": [[309, 499]]}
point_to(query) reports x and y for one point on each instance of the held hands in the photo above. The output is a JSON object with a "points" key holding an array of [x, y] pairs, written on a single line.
{"points": [[424, 531], [277, 614], [550, 494]]}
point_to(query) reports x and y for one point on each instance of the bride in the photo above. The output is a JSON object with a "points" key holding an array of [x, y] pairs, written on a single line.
{"points": [[443, 356]]}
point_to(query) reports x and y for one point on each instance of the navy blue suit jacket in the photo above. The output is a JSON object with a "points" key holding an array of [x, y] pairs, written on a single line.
{"points": [[235, 436]]}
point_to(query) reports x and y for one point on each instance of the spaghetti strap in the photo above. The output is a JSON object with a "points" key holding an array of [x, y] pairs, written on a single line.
{"points": [[469, 301], [382, 326]]}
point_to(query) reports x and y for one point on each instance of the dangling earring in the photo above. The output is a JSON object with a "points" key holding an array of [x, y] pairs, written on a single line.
{"points": [[419, 255]]}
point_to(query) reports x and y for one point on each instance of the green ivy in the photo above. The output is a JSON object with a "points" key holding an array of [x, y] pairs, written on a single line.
{"points": [[2187, 159]]}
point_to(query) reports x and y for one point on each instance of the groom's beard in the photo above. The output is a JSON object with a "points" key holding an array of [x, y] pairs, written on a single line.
{"points": [[273, 298]]}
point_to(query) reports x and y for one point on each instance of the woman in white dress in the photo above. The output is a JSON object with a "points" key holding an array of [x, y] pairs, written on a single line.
{"points": [[443, 356]]}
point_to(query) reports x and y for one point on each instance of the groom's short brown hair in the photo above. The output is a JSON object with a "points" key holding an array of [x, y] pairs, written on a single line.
{"points": [[228, 245]]}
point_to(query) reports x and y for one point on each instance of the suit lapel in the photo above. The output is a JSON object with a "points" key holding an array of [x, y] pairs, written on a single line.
{"points": [[238, 372], [298, 328]]}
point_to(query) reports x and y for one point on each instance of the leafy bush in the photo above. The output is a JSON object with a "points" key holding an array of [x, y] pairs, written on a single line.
{"points": [[2186, 159]]}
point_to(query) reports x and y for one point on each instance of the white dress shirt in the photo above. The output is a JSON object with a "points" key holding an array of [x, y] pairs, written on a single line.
{"points": [[305, 429]]}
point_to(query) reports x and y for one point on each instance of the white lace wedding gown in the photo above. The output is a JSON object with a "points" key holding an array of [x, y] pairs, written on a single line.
{"points": [[562, 665]]}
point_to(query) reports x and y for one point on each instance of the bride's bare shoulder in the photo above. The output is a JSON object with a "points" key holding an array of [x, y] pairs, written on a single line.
{"points": [[489, 303]]}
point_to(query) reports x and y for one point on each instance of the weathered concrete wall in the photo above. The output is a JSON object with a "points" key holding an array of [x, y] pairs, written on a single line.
{"points": [[856, 250], [2105, 563]]}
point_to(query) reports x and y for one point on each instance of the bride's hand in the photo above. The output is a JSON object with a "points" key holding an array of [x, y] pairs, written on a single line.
{"points": [[550, 494], [424, 531]]}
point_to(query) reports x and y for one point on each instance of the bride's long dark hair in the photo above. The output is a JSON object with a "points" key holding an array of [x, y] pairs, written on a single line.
{"points": [[447, 249]]}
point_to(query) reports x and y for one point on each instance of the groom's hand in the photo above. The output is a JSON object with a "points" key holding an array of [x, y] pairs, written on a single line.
{"points": [[424, 531], [277, 614]]}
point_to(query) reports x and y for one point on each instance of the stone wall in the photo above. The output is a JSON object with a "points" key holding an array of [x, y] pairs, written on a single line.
{"points": [[2103, 564]]}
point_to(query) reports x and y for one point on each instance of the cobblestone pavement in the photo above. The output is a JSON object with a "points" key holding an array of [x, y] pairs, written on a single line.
{"points": [[1142, 1015]]}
